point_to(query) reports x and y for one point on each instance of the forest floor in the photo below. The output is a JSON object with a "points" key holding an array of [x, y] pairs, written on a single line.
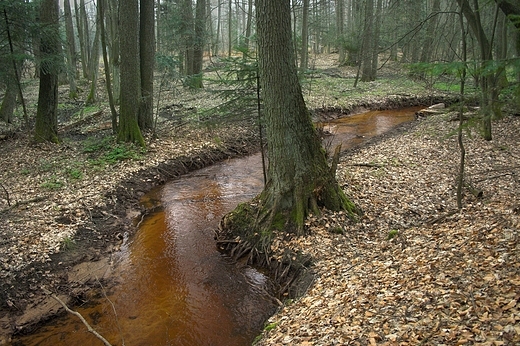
{"points": [[413, 270]]}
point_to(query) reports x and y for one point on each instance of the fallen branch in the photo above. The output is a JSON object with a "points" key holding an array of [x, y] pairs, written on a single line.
{"points": [[494, 177], [75, 313], [114, 310], [6, 194], [441, 218], [376, 165], [29, 201]]}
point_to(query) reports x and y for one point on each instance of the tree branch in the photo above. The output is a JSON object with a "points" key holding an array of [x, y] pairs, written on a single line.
{"points": [[75, 313]]}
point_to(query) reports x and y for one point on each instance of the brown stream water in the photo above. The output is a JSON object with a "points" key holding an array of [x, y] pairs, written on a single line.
{"points": [[174, 287]]}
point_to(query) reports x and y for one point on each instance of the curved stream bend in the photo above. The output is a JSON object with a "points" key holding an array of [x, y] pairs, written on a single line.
{"points": [[174, 287]]}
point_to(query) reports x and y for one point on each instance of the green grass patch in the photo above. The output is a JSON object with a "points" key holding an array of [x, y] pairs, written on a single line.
{"points": [[106, 150], [67, 244], [53, 183], [74, 173]]}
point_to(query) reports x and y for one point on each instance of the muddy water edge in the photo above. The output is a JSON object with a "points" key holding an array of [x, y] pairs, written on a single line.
{"points": [[174, 287]]}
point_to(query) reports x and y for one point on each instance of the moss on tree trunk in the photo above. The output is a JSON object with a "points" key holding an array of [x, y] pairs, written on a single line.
{"points": [[299, 180]]}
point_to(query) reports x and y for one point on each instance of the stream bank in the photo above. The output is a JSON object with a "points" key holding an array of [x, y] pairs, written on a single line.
{"points": [[104, 223]]}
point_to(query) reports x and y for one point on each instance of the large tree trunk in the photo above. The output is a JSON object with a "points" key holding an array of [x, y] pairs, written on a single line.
{"points": [[46, 128], [147, 59], [130, 87], [299, 180]]}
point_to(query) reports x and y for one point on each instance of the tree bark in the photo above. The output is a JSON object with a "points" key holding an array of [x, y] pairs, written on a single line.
{"points": [[112, 15], [94, 63], [130, 86], [340, 30], [299, 180], [9, 101], [147, 63], [71, 50], [198, 44], [486, 82], [368, 37], [108, 82], [46, 128], [304, 63]]}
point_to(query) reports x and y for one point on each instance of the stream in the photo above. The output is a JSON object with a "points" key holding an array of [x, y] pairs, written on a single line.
{"points": [[174, 287]]}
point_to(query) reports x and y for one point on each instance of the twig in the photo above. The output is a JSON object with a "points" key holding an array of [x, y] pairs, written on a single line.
{"points": [[494, 177], [442, 217], [113, 309], [367, 165], [29, 201], [7, 194], [77, 314]]}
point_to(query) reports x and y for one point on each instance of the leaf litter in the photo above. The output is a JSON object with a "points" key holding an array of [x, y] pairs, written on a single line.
{"points": [[413, 270]]}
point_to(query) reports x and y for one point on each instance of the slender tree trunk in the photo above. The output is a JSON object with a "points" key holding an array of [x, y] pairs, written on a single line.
{"points": [[216, 44], [71, 50], [147, 63], [340, 30], [199, 42], [427, 47], [158, 23], [94, 63], [46, 128], [9, 101], [128, 130], [304, 64], [83, 35], [230, 27], [114, 51], [14, 84], [188, 33], [368, 37], [375, 39], [108, 82], [249, 21], [486, 82], [460, 178]]}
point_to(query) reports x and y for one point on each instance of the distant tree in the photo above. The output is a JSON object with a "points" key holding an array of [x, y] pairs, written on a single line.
{"points": [[299, 180], [82, 26], [304, 59], [128, 130], [512, 10], [198, 43], [46, 128], [17, 17], [93, 63], [487, 77], [107, 68], [147, 60], [71, 49]]}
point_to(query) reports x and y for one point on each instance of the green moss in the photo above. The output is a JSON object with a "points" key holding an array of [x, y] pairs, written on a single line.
{"points": [[392, 234]]}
